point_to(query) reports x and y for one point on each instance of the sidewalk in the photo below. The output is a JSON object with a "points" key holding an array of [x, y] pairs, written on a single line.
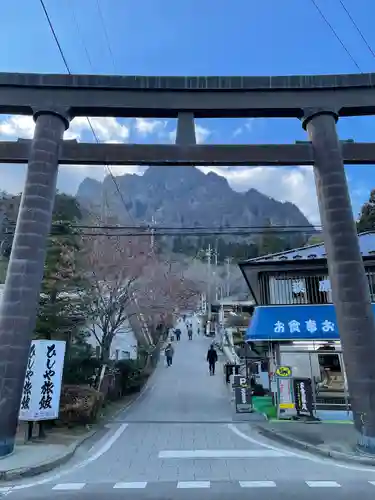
{"points": [[329, 439], [43, 455]]}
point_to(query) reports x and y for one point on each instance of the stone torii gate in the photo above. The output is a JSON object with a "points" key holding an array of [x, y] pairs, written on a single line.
{"points": [[318, 101]]}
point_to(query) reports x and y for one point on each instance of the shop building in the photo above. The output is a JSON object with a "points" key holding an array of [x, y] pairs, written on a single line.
{"points": [[294, 322]]}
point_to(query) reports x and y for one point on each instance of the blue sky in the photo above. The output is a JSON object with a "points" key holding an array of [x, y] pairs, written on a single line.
{"points": [[207, 37]]}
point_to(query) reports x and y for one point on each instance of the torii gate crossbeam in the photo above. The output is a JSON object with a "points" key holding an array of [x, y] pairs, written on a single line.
{"points": [[75, 153]]}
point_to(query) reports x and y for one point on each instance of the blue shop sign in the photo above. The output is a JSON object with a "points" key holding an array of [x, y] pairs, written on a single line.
{"points": [[296, 322]]}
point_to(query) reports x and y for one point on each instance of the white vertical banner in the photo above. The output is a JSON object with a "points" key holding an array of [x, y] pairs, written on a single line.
{"points": [[221, 315], [42, 386]]}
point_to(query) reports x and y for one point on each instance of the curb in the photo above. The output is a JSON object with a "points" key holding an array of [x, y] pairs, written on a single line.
{"points": [[301, 445], [43, 467]]}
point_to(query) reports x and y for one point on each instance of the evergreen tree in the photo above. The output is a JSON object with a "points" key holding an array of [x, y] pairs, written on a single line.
{"points": [[61, 310], [366, 220]]}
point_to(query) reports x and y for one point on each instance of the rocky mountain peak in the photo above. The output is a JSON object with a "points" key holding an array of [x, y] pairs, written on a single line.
{"points": [[177, 195]]}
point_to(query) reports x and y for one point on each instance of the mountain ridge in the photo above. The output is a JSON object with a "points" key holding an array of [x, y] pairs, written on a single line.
{"points": [[185, 196]]}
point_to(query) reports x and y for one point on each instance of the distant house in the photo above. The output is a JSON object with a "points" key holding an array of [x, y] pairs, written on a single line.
{"points": [[124, 344]]}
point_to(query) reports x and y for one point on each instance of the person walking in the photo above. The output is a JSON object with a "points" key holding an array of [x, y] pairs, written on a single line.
{"points": [[212, 359], [169, 352], [190, 333], [178, 334]]}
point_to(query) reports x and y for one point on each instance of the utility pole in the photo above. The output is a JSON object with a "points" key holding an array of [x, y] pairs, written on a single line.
{"points": [[209, 280], [215, 273], [228, 261], [152, 233]]}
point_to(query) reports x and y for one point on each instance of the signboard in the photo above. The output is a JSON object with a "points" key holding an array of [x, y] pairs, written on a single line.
{"points": [[42, 386], [303, 397], [293, 322], [240, 381], [242, 399], [283, 372], [286, 406]]}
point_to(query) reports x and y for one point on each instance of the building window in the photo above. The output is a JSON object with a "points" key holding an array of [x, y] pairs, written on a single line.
{"points": [[299, 290], [287, 290]]}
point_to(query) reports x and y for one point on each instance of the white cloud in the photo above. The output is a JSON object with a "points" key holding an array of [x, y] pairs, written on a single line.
{"points": [[107, 129], [146, 126], [296, 185], [246, 127], [202, 134], [17, 126]]}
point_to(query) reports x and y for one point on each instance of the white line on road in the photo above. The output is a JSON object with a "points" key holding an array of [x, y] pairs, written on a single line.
{"points": [[257, 484], [193, 484], [109, 442], [304, 456], [234, 429], [69, 486], [222, 454], [131, 485], [323, 484]]}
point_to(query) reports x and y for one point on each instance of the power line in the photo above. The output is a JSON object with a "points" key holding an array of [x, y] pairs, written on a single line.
{"points": [[54, 35], [106, 34], [338, 38], [87, 118], [62, 224], [238, 232], [75, 20], [359, 31]]}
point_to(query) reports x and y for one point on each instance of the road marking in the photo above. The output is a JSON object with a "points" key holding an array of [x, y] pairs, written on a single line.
{"points": [[257, 484], [240, 434], [130, 485], [193, 484], [372, 482], [69, 486], [107, 445], [5, 489], [323, 484], [222, 454], [301, 455]]}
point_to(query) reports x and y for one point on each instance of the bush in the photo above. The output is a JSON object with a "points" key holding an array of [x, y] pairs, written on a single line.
{"points": [[130, 375], [80, 369], [79, 404]]}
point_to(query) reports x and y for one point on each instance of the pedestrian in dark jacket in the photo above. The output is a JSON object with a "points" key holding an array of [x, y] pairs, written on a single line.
{"points": [[169, 351], [212, 359]]}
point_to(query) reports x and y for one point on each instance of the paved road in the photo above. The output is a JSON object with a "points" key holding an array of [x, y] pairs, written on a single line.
{"points": [[179, 437]]}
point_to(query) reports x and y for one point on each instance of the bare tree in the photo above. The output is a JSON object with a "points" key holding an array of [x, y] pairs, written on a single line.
{"points": [[113, 272], [168, 290]]}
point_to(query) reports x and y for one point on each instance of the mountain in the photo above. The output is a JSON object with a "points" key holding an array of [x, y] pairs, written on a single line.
{"points": [[185, 196]]}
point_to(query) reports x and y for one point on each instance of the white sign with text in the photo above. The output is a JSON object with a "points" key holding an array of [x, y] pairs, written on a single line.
{"points": [[42, 385]]}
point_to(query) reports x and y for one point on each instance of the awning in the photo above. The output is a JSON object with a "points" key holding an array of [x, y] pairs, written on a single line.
{"points": [[295, 322]]}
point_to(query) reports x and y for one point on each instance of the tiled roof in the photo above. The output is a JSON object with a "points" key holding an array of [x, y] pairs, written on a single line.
{"points": [[366, 243]]}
